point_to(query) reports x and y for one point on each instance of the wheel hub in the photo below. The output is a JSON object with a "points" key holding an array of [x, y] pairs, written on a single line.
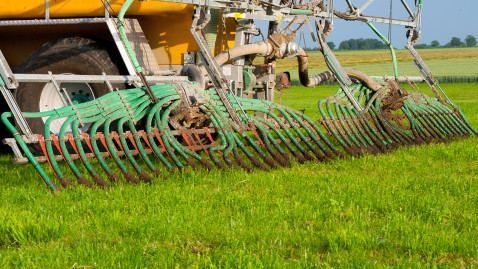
{"points": [[78, 93]]}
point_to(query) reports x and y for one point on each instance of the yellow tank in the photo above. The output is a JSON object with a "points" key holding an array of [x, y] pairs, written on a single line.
{"points": [[165, 25], [35, 9]]}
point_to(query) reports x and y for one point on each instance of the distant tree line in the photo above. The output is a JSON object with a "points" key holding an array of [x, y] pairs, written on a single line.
{"points": [[372, 44], [455, 42], [362, 44]]}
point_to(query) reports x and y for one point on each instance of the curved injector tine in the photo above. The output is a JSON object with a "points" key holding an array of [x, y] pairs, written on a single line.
{"points": [[81, 179], [150, 132], [51, 155], [347, 126], [310, 132], [241, 131], [248, 107], [216, 121], [142, 152], [240, 161], [304, 139], [268, 160], [353, 149], [227, 127], [93, 141], [112, 150], [268, 144], [122, 136], [63, 181], [327, 121], [262, 106], [287, 142], [254, 161], [81, 153], [162, 122], [277, 146], [333, 150], [291, 139], [280, 155], [360, 120]]}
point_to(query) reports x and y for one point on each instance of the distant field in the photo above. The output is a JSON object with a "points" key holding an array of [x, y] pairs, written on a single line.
{"points": [[367, 57], [453, 62], [440, 68], [415, 207]]}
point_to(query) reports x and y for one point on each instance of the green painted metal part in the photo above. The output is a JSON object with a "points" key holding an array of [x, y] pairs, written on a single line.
{"points": [[249, 79], [210, 31], [301, 12]]}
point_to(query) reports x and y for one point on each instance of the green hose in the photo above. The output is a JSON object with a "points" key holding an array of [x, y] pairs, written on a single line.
{"points": [[210, 31], [122, 33], [387, 42], [27, 151]]}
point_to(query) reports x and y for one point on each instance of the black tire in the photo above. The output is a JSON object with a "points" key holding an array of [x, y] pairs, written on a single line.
{"points": [[74, 55]]}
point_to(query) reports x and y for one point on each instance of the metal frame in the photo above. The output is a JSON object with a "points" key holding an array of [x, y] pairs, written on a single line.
{"points": [[95, 78], [11, 83], [413, 22], [212, 67]]}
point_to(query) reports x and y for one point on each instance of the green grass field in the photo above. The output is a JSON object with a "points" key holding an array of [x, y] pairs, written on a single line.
{"points": [[411, 208]]}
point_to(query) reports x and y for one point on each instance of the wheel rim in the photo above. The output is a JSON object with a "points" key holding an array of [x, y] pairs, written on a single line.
{"points": [[50, 100]]}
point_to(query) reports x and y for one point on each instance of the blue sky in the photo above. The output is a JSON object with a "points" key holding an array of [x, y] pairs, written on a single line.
{"points": [[441, 20]]}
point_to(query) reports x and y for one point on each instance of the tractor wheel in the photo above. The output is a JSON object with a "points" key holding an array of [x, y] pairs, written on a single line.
{"points": [[76, 55]]}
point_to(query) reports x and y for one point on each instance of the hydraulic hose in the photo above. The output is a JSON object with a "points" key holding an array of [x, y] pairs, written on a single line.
{"points": [[390, 46], [124, 39], [127, 45]]}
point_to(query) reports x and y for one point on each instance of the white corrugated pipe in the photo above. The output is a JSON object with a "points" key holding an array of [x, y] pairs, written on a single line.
{"points": [[261, 48]]}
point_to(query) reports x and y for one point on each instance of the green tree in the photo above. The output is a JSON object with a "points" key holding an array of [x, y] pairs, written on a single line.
{"points": [[331, 45], [363, 45], [344, 45], [435, 43], [455, 42], [470, 41], [421, 46]]}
